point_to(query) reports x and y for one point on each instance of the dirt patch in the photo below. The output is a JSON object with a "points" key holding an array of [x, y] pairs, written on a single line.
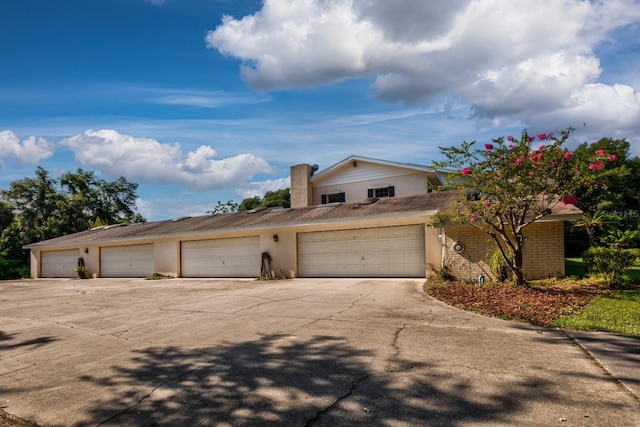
{"points": [[539, 303]]}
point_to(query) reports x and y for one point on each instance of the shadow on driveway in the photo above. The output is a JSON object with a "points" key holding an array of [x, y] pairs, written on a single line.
{"points": [[277, 380], [35, 342]]}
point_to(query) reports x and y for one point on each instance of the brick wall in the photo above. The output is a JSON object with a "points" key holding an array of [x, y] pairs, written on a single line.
{"points": [[543, 252]]}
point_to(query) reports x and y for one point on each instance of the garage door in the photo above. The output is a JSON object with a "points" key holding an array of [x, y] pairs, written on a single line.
{"points": [[237, 257], [371, 252], [59, 263], [127, 261]]}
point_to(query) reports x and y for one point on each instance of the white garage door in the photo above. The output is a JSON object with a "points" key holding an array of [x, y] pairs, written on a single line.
{"points": [[370, 252], [127, 261], [237, 257], [59, 263]]}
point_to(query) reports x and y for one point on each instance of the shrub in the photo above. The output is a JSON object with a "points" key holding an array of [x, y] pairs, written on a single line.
{"points": [[499, 266], [636, 252], [611, 263]]}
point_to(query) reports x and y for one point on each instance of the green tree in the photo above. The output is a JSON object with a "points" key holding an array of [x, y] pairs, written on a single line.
{"points": [[277, 198], [40, 208], [511, 184], [220, 208], [89, 199], [592, 222], [621, 239], [250, 203], [271, 199], [619, 189]]}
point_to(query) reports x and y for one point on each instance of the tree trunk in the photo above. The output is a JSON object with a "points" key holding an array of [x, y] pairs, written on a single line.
{"points": [[517, 265]]}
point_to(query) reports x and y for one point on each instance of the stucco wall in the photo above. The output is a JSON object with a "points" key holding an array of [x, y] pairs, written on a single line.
{"points": [[301, 187], [282, 252], [433, 250], [543, 252], [167, 257]]}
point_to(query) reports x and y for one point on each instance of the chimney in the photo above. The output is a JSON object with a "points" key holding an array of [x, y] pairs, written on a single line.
{"points": [[301, 187]]}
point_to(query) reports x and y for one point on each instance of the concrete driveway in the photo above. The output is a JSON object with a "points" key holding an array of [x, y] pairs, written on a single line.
{"points": [[295, 353]]}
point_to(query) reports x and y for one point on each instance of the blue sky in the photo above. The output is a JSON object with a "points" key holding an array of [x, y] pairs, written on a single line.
{"points": [[202, 101]]}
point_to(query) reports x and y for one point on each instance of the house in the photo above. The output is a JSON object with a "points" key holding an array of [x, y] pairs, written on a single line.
{"points": [[361, 217]]}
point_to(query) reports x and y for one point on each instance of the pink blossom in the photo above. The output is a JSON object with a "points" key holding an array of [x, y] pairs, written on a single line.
{"points": [[567, 155], [512, 146], [569, 200], [510, 138], [518, 161], [542, 147], [550, 134], [533, 158], [540, 156], [613, 158], [598, 166], [554, 164], [542, 136], [488, 204], [472, 218], [600, 153], [531, 138], [532, 173], [465, 171], [488, 146]]}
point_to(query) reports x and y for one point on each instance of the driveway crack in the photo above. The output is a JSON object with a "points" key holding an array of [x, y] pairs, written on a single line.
{"points": [[316, 418], [160, 385], [394, 345]]}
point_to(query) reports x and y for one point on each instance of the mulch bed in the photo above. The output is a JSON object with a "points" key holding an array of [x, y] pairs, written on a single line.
{"points": [[538, 304], [8, 420]]}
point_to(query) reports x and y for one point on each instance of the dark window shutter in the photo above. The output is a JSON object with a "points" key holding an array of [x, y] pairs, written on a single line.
{"points": [[392, 191], [324, 199], [370, 192], [342, 198]]}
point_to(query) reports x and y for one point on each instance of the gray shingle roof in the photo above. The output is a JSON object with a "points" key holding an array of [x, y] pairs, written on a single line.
{"points": [[418, 205], [265, 218]]}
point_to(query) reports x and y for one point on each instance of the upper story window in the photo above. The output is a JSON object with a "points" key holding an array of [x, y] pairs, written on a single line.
{"points": [[382, 192], [332, 198]]}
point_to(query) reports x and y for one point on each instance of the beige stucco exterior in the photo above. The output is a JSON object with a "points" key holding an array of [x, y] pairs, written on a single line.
{"points": [[283, 252]]}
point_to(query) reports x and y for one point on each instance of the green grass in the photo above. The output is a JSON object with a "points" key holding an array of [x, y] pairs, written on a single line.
{"points": [[574, 267], [619, 313]]}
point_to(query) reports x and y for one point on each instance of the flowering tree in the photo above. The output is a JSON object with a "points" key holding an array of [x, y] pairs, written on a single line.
{"points": [[508, 184]]}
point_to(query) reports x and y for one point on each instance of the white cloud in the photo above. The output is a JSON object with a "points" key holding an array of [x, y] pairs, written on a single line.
{"points": [[261, 187], [30, 150], [148, 160], [509, 60], [203, 99]]}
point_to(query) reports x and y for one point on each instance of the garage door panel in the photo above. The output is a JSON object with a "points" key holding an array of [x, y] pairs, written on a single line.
{"points": [[373, 252], [233, 257], [127, 261], [59, 263]]}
